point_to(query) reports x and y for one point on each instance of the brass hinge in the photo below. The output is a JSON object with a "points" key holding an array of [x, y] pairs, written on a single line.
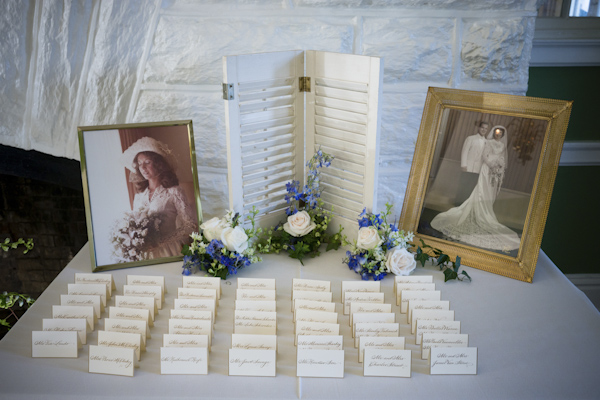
{"points": [[228, 91], [304, 84]]}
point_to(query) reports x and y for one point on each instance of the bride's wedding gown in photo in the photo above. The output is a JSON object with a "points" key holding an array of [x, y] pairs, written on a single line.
{"points": [[474, 221]]}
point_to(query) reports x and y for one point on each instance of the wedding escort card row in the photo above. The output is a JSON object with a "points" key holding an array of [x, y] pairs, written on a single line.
{"points": [[186, 347], [253, 349]]}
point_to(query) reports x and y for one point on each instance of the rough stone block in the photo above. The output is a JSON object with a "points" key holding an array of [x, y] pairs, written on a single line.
{"points": [[487, 5], [214, 194]]}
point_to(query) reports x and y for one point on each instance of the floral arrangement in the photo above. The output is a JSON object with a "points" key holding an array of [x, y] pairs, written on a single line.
{"points": [[222, 247], [134, 234], [306, 226], [380, 248]]}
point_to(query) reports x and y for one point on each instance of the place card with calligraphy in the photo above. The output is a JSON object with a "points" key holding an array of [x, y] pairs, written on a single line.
{"points": [[252, 362], [429, 326], [192, 315], [317, 316], [442, 305], [375, 329], [303, 304], [356, 306], [320, 342], [255, 322], [128, 326], [203, 282], [111, 360], [379, 342], [145, 291], [121, 339], [67, 325], [191, 327], [325, 297], [89, 289], [255, 294], [76, 312], [256, 284], [177, 340], [431, 315], [196, 305], [311, 285], [256, 305], [420, 287], [394, 363], [315, 328], [183, 361], [361, 297], [320, 363], [143, 303], [55, 344], [147, 280], [372, 318], [88, 278], [408, 295], [253, 342], [442, 340], [83, 300], [194, 293], [453, 361], [400, 279], [141, 314]]}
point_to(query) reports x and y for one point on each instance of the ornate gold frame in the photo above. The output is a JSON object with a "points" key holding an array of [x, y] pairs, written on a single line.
{"points": [[555, 112], [186, 140]]}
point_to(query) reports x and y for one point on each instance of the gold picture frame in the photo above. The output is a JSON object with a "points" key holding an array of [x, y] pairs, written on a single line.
{"points": [[465, 208], [141, 193]]}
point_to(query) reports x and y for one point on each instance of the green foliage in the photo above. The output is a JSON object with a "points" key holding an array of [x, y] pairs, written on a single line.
{"points": [[10, 300], [7, 244], [451, 269]]}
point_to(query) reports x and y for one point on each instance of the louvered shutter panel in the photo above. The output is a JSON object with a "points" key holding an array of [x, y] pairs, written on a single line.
{"points": [[265, 131]]}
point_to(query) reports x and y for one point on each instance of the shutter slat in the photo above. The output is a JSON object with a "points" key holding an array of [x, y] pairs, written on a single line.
{"points": [[341, 145], [266, 94], [341, 115], [260, 85], [350, 106], [271, 124], [340, 84], [339, 134], [339, 124]]}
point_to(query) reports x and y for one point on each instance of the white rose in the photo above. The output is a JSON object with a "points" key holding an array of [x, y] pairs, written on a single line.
{"points": [[235, 239], [368, 238], [212, 228], [299, 224], [400, 261]]}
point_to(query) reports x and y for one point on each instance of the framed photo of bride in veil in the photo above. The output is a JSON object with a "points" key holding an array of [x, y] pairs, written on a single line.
{"points": [[482, 177]]}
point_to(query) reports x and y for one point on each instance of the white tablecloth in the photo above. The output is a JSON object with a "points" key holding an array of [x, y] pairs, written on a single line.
{"points": [[539, 340]]}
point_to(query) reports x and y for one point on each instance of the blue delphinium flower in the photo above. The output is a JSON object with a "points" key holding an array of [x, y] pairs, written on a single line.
{"points": [[214, 248]]}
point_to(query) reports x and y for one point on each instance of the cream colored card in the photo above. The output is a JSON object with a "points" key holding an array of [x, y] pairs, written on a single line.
{"points": [[418, 287], [380, 362], [144, 303], [442, 340], [255, 322], [89, 289], [183, 361], [320, 342], [147, 280], [379, 342], [121, 339], [83, 300], [256, 305], [256, 294], [303, 304], [111, 360], [369, 307], [311, 285], [88, 278], [256, 284], [361, 297], [203, 282], [441, 305], [324, 297], [399, 279], [194, 293], [253, 342], [266, 316], [191, 327], [408, 295], [320, 363], [56, 344], [252, 362], [432, 315], [145, 291], [372, 318], [360, 286], [130, 313], [453, 361], [77, 312], [429, 326], [192, 315], [315, 328], [375, 329], [317, 316], [67, 325], [197, 305], [177, 340], [128, 326]]}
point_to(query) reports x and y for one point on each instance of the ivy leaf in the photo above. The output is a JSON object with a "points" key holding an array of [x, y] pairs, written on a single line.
{"points": [[467, 275], [442, 259], [449, 274], [421, 257]]}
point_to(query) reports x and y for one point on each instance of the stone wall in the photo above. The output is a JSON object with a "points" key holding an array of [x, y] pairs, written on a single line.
{"points": [[72, 63]]}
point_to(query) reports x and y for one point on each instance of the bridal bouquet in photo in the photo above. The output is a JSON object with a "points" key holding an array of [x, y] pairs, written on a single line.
{"points": [[134, 234], [380, 248], [222, 247], [306, 226]]}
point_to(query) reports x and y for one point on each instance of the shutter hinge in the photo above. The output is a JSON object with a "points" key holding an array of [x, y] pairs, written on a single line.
{"points": [[228, 91], [304, 84]]}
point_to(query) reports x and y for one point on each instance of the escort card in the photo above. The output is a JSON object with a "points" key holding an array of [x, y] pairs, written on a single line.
{"points": [[317, 316], [320, 363], [130, 313], [429, 326], [144, 303], [203, 282], [420, 287], [147, 280], [311, 285], [411, 279], [54, 344], [379, 342], [321, 342], [325, 297], [303, 304], [407, 295], [145, 291], [432, 315], [253, 342], [361, 297], [67, 325], [121, 339], [83, 300], [176, 340], [453, 361], [372, 318], [256, 305], [252, 362], [191, 314], [370, 308], [183, 361], [194, 293], [255, 322], [360, 286], [89, 289], [315, 328], [255, 294], [190, 327], [77, 312], [375, 329], [111, 360], [441, 305], [196, 305], [128, 326], [378, 362], [256, 284], [87, 278], [442, 340]]}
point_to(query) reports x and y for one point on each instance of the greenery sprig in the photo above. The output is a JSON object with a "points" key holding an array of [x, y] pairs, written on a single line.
{"points": [[8, 300], [7, 244], [450, 268]]}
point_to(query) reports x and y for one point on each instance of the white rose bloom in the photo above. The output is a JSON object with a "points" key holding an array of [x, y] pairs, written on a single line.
{"points": [[368, 238], [212, 228], [235, 239], [400, 261], [299, 224]]}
